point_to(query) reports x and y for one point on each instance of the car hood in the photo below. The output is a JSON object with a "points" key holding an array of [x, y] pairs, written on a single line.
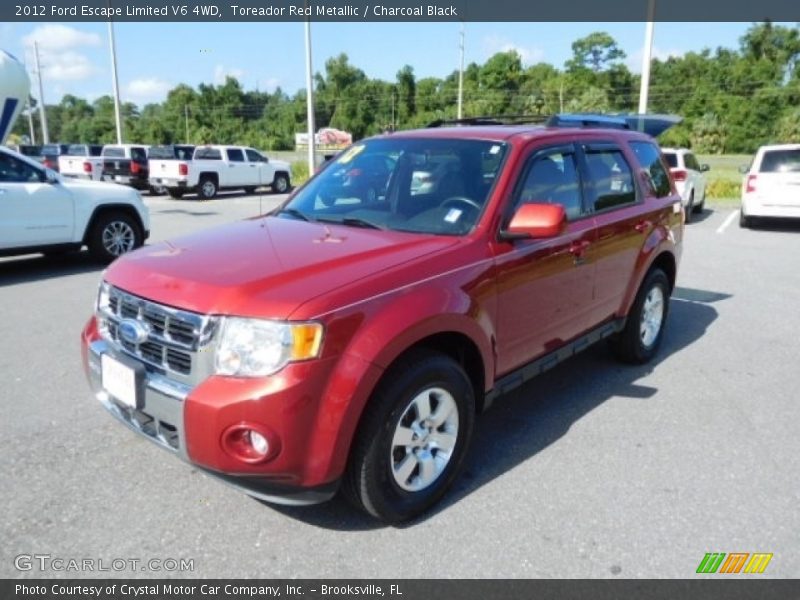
{"points": [[265, 267]]}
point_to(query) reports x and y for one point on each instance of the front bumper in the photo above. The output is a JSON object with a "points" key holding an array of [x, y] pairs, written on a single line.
{"points": [[162, 419]]}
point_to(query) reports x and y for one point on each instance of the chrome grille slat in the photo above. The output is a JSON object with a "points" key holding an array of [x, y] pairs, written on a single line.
{"points": [[175, 337]]}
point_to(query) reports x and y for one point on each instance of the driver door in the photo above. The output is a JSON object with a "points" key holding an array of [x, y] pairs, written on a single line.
{"points": [[33, 212]]}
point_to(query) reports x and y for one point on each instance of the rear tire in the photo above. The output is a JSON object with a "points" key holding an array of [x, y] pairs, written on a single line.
{"points": [[280, 185], [175, 193], [412, 439], [690, 208], [114, 234], [639, 341], [206, 188], [745, 222]]}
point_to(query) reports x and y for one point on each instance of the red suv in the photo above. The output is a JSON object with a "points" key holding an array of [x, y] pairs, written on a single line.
{"points": [[347, 342]]}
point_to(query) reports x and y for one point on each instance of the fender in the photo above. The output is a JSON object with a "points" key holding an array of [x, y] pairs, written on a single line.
{"points": [[89, 222], [435, 310], [658, 242]]}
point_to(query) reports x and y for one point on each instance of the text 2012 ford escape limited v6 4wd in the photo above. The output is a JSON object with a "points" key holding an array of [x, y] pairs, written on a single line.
{"points": [[348, 339]]}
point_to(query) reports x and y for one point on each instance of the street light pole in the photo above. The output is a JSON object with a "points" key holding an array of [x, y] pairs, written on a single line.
{"points": [[310, 99], [42, 112], [647, 56], [115, 80], [461, 75]]}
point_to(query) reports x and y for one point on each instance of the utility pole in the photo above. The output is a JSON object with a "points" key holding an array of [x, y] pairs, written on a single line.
{"points": [[42, 112], [310, 100], [461, 75], [647, 55], [186, 120], [115, 80], [561, 95], [30, 109], [392, 110]]}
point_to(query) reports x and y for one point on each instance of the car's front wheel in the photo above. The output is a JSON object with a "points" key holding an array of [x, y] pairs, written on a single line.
{"points": [[639, 340], [413, 437], [114, 234]]}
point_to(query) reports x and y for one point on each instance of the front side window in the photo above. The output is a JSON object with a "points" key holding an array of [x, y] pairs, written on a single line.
{"points": [[254, 156], [437, 186], [552, 177], [649, 158], [13, 170], [691, 162], [610, 178]]}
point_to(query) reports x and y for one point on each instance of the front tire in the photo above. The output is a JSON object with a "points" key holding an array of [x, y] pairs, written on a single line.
{"points": [[689, 208], [638, 342], [412, 439], [114, 234], [280, 185]]}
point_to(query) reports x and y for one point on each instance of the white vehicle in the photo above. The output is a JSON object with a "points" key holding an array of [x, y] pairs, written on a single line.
{"points": [[41, 211], [771, 187], [126, 164], [690, 182], [215, 168], [82, 161]]}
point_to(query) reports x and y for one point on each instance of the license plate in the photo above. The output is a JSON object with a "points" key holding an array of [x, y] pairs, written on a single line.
{"points": [[120, 178], [119, 380]]}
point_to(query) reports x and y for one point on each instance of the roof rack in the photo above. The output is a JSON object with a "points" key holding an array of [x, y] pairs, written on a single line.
{"points": [[588, 120], [489, 120]]}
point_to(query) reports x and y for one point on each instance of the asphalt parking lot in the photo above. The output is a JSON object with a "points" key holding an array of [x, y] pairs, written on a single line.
{"points": [[595, 469]]}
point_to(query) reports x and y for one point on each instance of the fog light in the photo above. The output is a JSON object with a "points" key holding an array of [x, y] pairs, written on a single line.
{"points": [[250, 443]]}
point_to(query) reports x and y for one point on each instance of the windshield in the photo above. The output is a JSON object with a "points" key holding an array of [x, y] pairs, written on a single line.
{"points": [[51, 149], [435, 186], [114, 151], [76, 150]]}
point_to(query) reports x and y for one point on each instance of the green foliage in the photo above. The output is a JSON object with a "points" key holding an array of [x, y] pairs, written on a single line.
{"points": [[732, 100], [299, 172]]}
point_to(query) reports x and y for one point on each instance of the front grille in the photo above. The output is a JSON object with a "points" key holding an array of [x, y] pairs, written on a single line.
{"points": [[175, 336]]}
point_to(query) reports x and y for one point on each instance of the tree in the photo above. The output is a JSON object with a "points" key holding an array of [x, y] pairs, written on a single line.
{"points": [[708, 135], [597, 51]]}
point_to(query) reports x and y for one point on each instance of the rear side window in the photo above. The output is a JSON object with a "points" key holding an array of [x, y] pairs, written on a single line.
{"points": [[781, 161], [610, 177], [650, 158], [235, 155], [208, 154]]}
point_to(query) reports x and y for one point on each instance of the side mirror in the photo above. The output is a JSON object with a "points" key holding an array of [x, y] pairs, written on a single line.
{"points": [[704, 168], [536, 220]]}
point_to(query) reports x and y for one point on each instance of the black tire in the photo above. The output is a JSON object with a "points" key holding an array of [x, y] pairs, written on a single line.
{"points": [[281, 184], [114, 234], [175, 193], [251, 189], [745, 222], [690, 208], [370, 482], [207, 187], [633, 345], [698, 210]]}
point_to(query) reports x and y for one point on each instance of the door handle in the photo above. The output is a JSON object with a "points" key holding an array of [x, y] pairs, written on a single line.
{"points": [[643, 226]]}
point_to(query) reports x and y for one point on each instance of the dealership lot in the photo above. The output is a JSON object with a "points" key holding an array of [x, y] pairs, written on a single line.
{"points": [[595, 469]]}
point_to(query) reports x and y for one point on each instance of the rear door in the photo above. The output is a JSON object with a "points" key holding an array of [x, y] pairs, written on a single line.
{"points": [[779, 177], [545, 286], [32, 211]]}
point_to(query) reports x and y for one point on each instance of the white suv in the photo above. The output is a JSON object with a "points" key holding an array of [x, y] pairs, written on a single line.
{"points": [[771, 187], [41, 211], [690, 182]]}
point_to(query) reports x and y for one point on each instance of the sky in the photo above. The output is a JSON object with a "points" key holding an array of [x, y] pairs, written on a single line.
{"points": [[154, 57]]}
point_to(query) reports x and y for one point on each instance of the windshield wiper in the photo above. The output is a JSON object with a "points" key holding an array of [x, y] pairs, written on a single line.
{"points": [[354, 222], [296, 214]]}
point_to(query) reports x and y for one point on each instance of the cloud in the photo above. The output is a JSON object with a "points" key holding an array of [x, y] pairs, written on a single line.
{"points": [[493, 44], [57, 37], [270, 84], [634, 60], [147, 89], [58, 52], [221, 72]]}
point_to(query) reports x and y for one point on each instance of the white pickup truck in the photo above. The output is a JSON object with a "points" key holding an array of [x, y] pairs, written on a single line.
{"points": [[82, 161], [42, 211], [214, 168]]}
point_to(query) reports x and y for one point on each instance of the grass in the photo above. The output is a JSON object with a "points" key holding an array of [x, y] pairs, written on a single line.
{"points": [[724, 179]]}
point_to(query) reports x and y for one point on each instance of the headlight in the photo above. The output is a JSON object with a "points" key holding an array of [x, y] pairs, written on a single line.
{"points": [[102, 298], [257, 348]]}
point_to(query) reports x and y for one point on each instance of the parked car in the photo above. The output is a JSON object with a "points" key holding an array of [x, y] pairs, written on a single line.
{"points": [[214, 168], [771, 187], [126, 164], [42, 211], [347, 345], [82, 161], [687, 173], [160, 163], [29, 150], [50, 154]]}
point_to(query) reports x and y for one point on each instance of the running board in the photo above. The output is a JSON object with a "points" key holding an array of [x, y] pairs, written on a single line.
{"points": [[527, 372]]}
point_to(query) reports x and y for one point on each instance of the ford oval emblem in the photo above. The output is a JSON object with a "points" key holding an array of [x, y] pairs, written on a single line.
{"points": [[133, 331]]}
